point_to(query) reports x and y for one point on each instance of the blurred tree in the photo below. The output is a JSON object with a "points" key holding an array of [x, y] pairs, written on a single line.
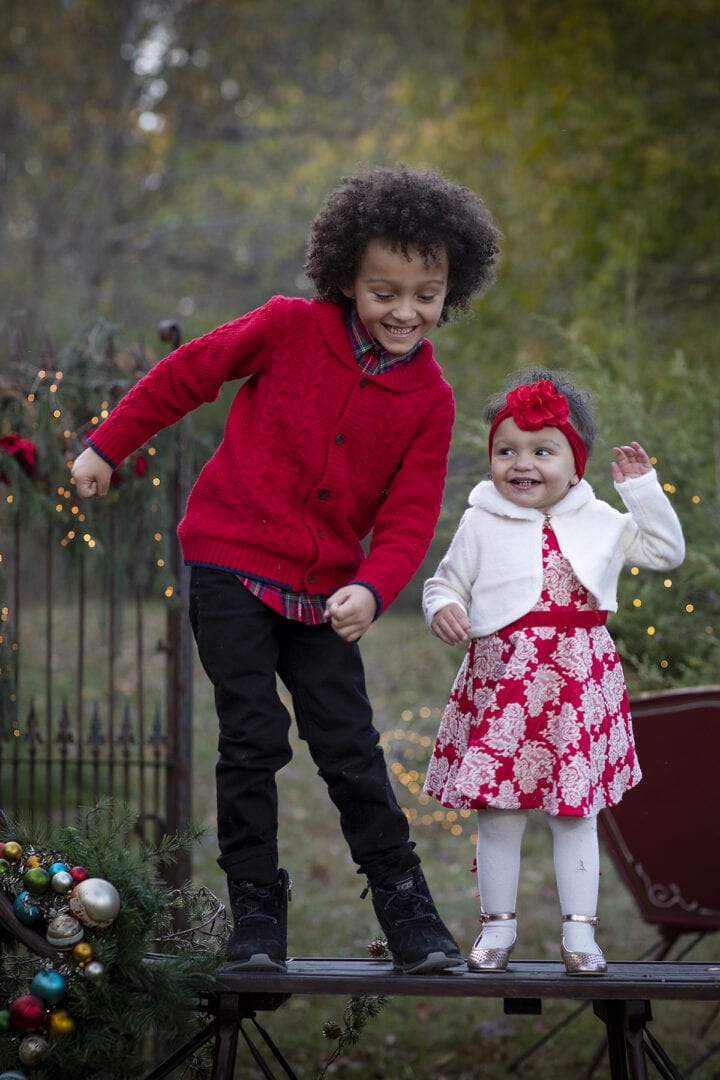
{"points": [[165, 158], [605, 122], [175, 150]]}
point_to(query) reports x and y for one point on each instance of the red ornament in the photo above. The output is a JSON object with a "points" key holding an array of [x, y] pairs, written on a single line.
{"points": [[27, 1013], [78, 873]]}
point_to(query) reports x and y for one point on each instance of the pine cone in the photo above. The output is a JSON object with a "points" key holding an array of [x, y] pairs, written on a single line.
{"points": [[331, 1030], [378, 949]]}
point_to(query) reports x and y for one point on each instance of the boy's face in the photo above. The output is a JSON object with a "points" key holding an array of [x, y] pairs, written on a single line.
{"points": [[399, 298]]}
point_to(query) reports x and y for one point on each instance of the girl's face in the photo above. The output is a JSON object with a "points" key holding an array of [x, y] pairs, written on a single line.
{"points": [[532, 468], [399, 297]]}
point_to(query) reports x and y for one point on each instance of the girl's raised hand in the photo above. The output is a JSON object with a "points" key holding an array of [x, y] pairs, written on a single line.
{"points": [[629, 461]]}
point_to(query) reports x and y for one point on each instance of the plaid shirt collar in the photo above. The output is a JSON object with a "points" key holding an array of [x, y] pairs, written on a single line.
{"points": [[372, 358]]}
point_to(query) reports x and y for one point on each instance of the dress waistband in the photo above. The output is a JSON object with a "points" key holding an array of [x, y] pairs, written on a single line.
{"points": [[562, 617]]}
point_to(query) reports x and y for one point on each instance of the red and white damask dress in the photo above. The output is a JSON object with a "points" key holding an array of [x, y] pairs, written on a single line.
{"points": [[538, 717]]}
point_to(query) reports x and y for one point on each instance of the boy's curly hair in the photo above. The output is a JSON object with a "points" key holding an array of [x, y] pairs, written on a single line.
{"points": [[579, 401], [412, 209]]}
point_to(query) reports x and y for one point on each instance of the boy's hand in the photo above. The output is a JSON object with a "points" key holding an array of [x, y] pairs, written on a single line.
{"points": [[451, 624], [350, 611], [629, 461], [91, 474]]}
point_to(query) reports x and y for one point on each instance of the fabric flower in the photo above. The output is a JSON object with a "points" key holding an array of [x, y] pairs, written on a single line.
{"points": [[141, 465], [537, 406], [23, 450]]}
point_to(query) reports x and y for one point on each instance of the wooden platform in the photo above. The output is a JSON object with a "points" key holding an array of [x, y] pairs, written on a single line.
{"points": [[621, 1000], [523, 979]]}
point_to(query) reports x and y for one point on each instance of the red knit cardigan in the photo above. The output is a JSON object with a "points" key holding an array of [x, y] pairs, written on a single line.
{"points": [[315, 455]]}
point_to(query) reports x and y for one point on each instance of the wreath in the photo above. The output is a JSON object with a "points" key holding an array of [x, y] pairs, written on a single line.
{"points": [[96, 976]]}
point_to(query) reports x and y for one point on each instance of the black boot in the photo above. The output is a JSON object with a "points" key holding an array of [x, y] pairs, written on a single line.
{"points": [[416, 935], [258, 941]]}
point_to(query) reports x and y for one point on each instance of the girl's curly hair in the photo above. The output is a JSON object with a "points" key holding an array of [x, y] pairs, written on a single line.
{"points": [[412, 209], [579, 401]]}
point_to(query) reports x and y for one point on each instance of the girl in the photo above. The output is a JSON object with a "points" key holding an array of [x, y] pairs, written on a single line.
{"points": [[538, 716]]}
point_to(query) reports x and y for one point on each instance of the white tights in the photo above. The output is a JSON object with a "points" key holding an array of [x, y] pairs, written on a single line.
{"points": [[577, 872]]}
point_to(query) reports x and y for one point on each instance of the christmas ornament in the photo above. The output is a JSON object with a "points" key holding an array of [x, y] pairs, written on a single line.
{"points": [[49, 985], [36, 880], [27, 1013], [60, 1023], [62, 882], [64, 932], [95, 902], [27, 912], [32, 1049], [82, 953], [39, 1031]]}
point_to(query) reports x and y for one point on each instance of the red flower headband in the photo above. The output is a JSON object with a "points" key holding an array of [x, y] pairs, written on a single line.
{"points": [[537, 406]]}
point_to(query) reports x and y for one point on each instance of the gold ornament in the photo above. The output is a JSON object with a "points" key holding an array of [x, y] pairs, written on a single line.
{"points": [[12, 851], [59, 1023], [82, 953]]}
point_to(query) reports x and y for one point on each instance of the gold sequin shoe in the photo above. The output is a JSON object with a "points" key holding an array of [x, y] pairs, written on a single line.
{"points": [[582, 963], [491, 959]]}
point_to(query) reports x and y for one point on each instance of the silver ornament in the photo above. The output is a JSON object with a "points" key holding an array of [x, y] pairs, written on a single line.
{"points": [[64, 932], [62, 882], [95, 902], [94, 970], [32, 1049]]}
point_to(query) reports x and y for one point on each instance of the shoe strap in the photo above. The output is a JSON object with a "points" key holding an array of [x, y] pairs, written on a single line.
{"points": [[496, 916], [592, 919]]}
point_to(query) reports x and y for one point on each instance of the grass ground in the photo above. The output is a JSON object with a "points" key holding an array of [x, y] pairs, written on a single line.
{"points": [[409, 674]]}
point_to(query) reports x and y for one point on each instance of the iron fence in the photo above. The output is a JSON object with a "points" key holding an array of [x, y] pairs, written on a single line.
{"points": [[97, 666]]}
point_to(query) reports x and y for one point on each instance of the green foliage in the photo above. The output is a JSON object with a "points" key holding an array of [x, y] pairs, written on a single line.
{"points": [[51, 401], [153, 975], [359, 1009]]}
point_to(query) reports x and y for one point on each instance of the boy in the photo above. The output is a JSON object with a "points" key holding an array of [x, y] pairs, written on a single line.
{"points": [[341, 429]]}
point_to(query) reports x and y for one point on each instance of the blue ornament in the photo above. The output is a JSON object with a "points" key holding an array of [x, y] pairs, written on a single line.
{"points": [[58, 868], [25, 910], [13, 1075], [50, 985]]}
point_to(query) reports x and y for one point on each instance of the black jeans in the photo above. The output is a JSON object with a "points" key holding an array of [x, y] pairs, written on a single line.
{"points": [[243, 645]]}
